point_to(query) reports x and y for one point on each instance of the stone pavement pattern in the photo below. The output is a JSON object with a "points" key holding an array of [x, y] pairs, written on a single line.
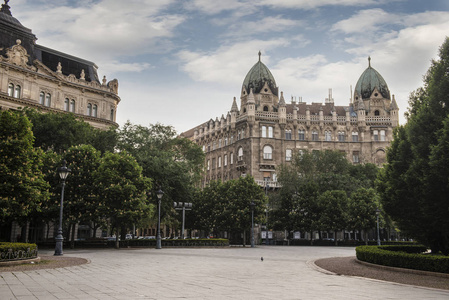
{"points": [[214, 273]]}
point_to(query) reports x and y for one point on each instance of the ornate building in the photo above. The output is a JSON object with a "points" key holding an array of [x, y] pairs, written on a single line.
{"points": [[265, 131], [32, 75]]}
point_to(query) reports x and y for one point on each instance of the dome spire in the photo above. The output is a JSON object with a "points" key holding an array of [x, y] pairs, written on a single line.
{"points": [[259, 54], [369, 61]]}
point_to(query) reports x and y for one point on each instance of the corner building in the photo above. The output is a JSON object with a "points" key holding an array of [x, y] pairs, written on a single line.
{"points": [[35, 76], [265, 131]]}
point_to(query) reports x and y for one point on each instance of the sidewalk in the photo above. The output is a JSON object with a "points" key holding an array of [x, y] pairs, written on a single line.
{"points": [[215, 273]]}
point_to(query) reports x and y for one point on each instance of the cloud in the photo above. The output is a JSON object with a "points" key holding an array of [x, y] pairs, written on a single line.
{"points": [[365, 21], [227, 64], [311, 4], [262, 26], [104, 28], [215, 7]]}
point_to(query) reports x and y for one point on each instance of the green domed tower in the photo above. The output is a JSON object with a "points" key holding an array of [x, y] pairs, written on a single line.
{"points": [[372, 94], [261, 82]]}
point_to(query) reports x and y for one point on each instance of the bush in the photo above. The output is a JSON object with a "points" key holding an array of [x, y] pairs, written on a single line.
{"points": [[409, 257], [176, 243], [17, 251]]}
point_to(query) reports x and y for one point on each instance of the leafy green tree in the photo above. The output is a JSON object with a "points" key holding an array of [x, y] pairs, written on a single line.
{"points": [[334, 207], [121, 184], [173, 163], [82, 203], [417, 150], [59, 132], [22, 184], [362, 207]]}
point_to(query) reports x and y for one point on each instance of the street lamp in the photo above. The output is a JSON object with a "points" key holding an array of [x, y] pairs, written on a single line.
{"points": [[378, 234], [183, 206], [159, 194], [63, 173], [252, 204], [266, 215]]}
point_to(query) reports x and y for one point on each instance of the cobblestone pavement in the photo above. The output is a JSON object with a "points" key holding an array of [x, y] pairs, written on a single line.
{"points": [[213, 273]]}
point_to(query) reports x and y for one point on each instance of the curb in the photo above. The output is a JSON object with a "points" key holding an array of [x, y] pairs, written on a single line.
{"points": [[20, 262]]}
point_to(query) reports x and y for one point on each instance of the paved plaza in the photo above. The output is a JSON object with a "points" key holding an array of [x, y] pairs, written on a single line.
{"points": [[211, 273]]}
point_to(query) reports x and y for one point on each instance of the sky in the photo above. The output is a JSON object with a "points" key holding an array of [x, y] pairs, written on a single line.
{"points": [[181, 63]]}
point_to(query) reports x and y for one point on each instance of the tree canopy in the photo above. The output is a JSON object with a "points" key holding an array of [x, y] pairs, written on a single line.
{"points": [[414, 184]]}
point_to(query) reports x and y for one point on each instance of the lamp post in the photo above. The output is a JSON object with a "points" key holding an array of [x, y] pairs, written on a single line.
{"points": [[378, 234], [159, 194], [266, 215], [63, 173], [182, 206], [252, 223]]}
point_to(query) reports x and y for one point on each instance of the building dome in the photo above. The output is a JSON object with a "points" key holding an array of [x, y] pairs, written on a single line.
{"points": [[369, 81], [257, 77]]}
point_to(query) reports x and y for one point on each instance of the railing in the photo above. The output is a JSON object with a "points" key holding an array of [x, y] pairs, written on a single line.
{"points": [[271, 184]]}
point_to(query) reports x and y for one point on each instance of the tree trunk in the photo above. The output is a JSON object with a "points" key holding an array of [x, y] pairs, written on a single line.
{"points": [[244, 238], [72, 240], [335, 238]]}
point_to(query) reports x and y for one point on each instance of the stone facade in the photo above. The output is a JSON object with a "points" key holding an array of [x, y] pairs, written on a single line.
{"points": [[32, 75], [265, 131]]}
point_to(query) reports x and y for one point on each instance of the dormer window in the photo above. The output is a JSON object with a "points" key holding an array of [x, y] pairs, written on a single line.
{"points": [[376, 113], [265, 108]]}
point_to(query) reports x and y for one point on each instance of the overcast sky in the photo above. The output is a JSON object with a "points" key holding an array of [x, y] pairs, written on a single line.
{"points": [[180, 63]]}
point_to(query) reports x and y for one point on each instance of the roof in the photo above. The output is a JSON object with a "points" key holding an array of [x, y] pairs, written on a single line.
{"points": [[256, 78], [369, 81]]}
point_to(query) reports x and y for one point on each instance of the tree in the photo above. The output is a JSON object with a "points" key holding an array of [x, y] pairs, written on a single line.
{"points": [[333, 216], [60, 131], [422, 208], [82, 204], [172, 162], [125, 190], [362, 207], [22, 184], [307, 178]]}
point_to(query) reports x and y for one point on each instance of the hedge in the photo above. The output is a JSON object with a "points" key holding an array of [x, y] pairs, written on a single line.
{"points": [[409, 257], [17, 251], [176, 243]]}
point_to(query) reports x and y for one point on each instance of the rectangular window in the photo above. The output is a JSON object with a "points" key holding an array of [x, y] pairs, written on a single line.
{"points": [[213, 164], [288, 154], [341, 136], [225, 160], [219, 161], [376, 135], [355, 136], [288, 134], [219, 143], [301, 135], [355, 157], [231, 158], [232, 139], [208, 164], [264, 131], [226, 141], [314, 135], [270, 132], [214, 145], [382, 135], [328, 136]]}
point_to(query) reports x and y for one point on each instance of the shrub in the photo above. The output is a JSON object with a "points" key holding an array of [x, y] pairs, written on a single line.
{"points": [[176, 243], [409, 257], [17, 251]]}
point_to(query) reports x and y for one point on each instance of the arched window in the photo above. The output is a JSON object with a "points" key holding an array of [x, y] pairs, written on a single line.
{"points": [[66, 104], [94, 110], [288, 134], [376, 113], [301, 135], [72, 106], [240, 154], [48, 100], [314, 135], [11, 90], [265, 108], [17, 91], [42, 98], [89, 109], [267, 152]]}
